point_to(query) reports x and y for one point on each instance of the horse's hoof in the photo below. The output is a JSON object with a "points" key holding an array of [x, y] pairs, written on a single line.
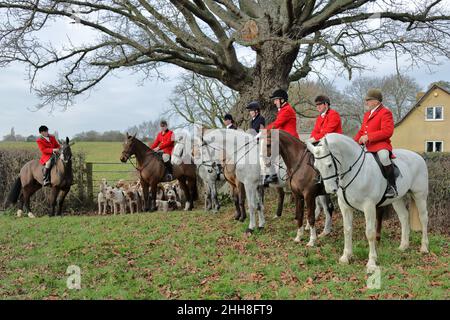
{"points": [[276, 217], [242, 219], [297, 239], [403, 247], [31, 215], [260, 228], [324, 234], [310, 244], [237, 218], [19, 213], [307, 227], [424, 249], [344, 259], [248, 232]]}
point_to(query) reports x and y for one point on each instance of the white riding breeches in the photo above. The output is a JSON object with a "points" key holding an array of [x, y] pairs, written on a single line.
{"points": [[384, 157], [48, 163], [165, 157]]}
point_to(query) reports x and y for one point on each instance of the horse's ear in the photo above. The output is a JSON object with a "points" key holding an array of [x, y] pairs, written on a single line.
{"points": [[310, 147], [134, 136], [67, 140]]}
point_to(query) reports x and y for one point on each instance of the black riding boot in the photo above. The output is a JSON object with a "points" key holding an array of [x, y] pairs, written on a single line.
{"points": [[46, 173], [169, 170], [391, 191]]}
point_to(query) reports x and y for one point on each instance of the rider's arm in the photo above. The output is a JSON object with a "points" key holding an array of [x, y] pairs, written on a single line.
{"points": [[156, 142]]}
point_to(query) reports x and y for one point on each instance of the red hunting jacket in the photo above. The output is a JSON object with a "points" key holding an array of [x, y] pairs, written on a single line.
{"points": [[165, 142], [379, 127], [46, 148], [330, 123], [286, 120]]}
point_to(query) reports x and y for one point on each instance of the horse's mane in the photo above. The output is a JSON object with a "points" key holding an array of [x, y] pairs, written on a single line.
{"points": [[291, 138]]}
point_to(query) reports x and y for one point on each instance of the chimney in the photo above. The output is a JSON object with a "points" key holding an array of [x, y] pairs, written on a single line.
{"points": [[419, 95]]}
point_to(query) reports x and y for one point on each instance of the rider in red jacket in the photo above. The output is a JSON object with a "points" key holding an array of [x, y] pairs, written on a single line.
{"points": [[286, 120], [165, 142], [376, 130], [49, 146], [328, 121]]}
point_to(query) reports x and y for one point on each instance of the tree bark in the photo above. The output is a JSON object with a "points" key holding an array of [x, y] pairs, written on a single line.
{"points": [[274, 62]]}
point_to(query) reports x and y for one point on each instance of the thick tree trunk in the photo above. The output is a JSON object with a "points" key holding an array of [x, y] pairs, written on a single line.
{"points": [[273, 65]]}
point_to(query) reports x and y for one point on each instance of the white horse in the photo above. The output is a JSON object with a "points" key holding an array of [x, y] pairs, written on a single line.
{"points": [[349, 170], [240, 149]]}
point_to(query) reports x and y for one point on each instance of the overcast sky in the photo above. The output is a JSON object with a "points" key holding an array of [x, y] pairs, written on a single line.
{"points": [[120, 102]]}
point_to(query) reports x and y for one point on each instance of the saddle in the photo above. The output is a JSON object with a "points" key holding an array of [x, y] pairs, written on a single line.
{"points": [[397, 172]]}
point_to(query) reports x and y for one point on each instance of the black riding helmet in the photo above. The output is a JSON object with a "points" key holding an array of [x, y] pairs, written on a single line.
{"points": [[43, 129], [279, 94], [254, 105]]}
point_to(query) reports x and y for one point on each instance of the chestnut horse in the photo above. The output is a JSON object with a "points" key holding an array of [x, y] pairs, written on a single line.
{"points": [[30, 180], [151, 170]]}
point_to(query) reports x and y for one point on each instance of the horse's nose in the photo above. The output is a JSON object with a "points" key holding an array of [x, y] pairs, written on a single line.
{"points": [[123, 159]]}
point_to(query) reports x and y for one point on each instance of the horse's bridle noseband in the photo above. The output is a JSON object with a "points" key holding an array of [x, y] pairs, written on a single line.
{"points": [[340, 176]]}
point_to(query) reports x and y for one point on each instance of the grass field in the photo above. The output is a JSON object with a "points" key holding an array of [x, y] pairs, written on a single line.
{"points": [[196, 255]]}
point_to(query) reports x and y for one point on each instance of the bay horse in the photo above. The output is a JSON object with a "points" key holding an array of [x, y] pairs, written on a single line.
{"points": [[30, 180], [359, 183], [302, 178], [151, 170]]}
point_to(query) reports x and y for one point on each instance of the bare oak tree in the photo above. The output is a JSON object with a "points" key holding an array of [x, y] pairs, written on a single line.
{"points": [[288, 38], [200, 100]]}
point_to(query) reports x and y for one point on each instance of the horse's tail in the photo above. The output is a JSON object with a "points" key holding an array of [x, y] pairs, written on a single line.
{"points": [[13, 195], [414, 220]]}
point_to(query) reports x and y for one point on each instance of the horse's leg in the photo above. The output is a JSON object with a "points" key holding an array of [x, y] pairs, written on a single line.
{"points": [[299, 211], [235, 192], [347, 219], [153, 191], [421, 202], [252, 204], [242, 196], [207, 196], [184, 187], [403, 215], [145, 194], [324, 201], [316, 212], [61, 199], [260, 205], [370, 213], [28, 192], [280, 201], [215, 198], [53, 200], [380, 213], [311, 207], [20, 204]]}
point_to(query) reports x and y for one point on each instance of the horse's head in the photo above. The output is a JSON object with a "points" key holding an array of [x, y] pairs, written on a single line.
{"points": [[179, 150], [129, 147], [326, 162], [267, 140], [66, 151]]}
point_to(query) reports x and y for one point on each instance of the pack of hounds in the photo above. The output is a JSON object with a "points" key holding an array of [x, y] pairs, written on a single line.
{"points": [[127, 197]]}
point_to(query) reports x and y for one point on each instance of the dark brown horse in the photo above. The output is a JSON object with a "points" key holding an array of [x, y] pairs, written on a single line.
{"points": [[30, 180], [151, 170]]}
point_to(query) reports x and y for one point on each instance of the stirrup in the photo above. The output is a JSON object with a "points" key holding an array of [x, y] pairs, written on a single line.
{"points": [[391, 192]]}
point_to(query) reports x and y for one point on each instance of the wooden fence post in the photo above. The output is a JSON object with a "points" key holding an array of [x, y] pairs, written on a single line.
{"points": [[90, 183]]}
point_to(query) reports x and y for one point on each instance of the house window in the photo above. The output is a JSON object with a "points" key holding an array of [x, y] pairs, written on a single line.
{"points": [[434, 146], [434, 113]]}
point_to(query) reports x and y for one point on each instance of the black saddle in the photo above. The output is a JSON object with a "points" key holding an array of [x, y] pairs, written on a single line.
{"points": [[397, 172]]}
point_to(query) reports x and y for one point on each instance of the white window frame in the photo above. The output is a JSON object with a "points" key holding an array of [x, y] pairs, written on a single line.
{"points": [[434, 145], [434, 113]]}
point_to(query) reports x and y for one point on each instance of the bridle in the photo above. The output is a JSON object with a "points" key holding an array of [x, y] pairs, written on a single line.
{"points": [[340, 176]]}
